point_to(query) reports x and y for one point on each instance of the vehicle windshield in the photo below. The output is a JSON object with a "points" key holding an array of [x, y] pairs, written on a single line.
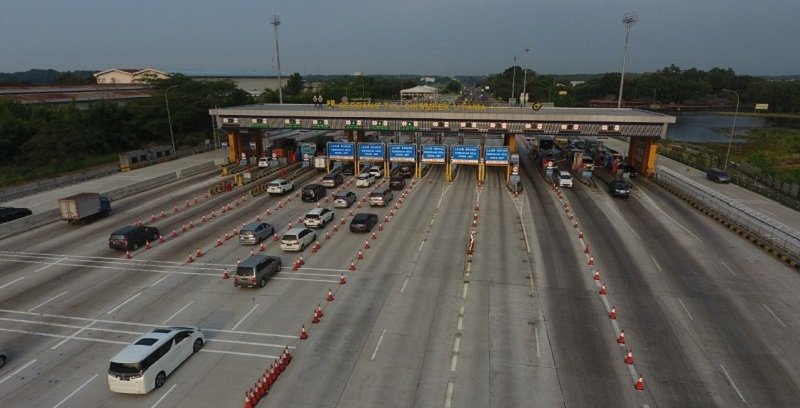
{"points": [[288, 237], [240, 271], [363, 176]]}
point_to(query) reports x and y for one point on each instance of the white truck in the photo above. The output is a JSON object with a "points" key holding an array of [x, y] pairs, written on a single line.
{"points": [[84, 207], [321, 163]]}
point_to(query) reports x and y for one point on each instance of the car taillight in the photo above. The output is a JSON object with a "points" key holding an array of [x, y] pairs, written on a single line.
{"points": [[253, 280]]}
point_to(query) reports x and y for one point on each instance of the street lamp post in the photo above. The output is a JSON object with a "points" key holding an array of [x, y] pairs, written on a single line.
{"points": [[628, 19], [169, 118], [523, 99], [733, 128]]}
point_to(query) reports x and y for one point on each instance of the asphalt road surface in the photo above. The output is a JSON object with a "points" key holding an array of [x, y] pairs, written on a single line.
{"points": [[709, 319]]}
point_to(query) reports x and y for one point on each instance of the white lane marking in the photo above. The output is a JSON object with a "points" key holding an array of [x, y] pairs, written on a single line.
{"points": [[12, 282], [775, 316], [49, 265], [728, 268], [176, 313], [404, 285], [75, 391], [380, 339], [96, 340], [624, 221], [460, 318], [676, 222], [48, 301], [147, 325], [123, 303], [73, 335], [538, 350], [464, 292], [164, 396], [449, 396], [656, 263], [685, 309], [245, 316], [17, 371], [421, 244], [454, 359], [730, 381], [159, 281]]}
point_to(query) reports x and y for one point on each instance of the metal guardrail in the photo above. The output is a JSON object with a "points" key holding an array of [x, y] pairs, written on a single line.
{"points": [[781, 239]]}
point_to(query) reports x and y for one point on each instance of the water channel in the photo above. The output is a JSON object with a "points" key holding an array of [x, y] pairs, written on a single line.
{"points": [[705, 127]]}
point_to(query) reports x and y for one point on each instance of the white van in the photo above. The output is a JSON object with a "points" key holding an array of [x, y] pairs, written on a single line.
{"points": [[150, 359]]}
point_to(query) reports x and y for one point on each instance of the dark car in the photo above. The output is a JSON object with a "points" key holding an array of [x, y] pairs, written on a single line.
{"points": [[3, 358], [631, 170], [363, 222], [619, 188], [397, 183], [718, 176], [313, 192], [348, 170], [132, 237], [256, 270], [10, 213], [406, 171]]}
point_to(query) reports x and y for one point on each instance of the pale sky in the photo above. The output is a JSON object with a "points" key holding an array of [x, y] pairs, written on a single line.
{"points": [[426, 37]]}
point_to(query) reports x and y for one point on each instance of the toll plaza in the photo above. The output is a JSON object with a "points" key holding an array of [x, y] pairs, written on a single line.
{"points": [[425, 126]]}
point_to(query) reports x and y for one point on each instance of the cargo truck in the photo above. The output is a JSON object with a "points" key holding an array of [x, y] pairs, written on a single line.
{"points": [[84, 207], [321, 163]]}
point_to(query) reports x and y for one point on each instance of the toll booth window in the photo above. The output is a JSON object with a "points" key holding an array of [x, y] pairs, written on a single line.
{"points": [[134, 160]]}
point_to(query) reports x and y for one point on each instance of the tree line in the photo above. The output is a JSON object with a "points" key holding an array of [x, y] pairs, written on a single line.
{"points": [[670, 85]]}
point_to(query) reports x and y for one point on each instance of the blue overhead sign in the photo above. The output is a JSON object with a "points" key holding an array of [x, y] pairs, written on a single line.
{"points": [[338, 150], [462, 154], [496, 155], [371, 151], [434, 153], [402, 152]]}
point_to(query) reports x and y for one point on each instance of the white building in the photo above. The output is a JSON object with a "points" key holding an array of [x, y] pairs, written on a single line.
{"points": [[128, 76]]}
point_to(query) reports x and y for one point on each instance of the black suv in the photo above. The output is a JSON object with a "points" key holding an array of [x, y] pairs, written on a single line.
{"points": [[132, 237], [406, 171], [397, 183], [363, 222], [10, 213], [313, 192]]}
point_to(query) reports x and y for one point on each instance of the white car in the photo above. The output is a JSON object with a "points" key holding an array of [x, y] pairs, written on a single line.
{"points": [[265, 162], [280, 186], [376, 171], [564, 179], [297, 239], [318, 217], [365, 180]]}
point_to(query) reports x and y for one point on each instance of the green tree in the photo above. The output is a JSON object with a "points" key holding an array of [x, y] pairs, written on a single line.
{"points": [[294, 85]]}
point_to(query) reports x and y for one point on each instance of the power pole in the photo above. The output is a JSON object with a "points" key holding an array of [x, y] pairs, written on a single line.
{"points": [[276, 21], [514, 79]]}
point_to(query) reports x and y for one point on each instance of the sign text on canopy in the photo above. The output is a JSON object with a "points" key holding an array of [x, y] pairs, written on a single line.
{"points": [[496, 155], [371, 151], [403, 152], [434, 153], [461, 154], [341, 150]]}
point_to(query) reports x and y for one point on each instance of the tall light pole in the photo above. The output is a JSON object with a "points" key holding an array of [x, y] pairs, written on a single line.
{"points": [[514, 79], [276, 21], [733, 128], [169, 118], [524, 78], [628, 19]]}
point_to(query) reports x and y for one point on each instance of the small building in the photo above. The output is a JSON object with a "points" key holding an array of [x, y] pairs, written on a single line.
{"points": [[129, 76]]}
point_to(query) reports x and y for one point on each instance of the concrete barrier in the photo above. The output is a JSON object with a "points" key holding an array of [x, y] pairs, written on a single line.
{"points": [[26, 223], [11, 193], [195, 170]]}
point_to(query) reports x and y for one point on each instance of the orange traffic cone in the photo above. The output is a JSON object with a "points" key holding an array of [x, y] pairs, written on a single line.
{"points": [[128, 254], [603, 290], [360, 255], [303, 333], [315, 317], [596, 275], [174, 234], [586, 249], [352, 265], [319, 310], [330, 295], [199, 253], [219, 241], [613, 314], [225, 274], [621, 338], [190, 259], [629, 357], [327, 235], [366, 244], [161, 239], [591, 261], [374, 236], [639, 386], [300, 261], [341, 279], [248, 403]]}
